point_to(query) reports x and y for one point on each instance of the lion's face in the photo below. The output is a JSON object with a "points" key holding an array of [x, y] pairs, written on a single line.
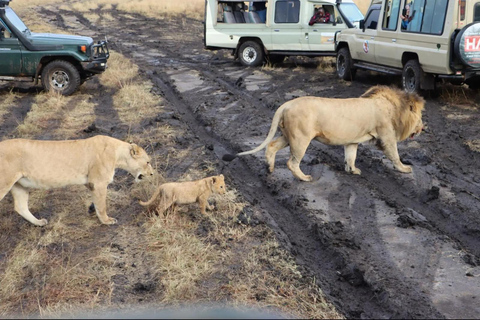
{"points": [[139, 163], [218, 184]]}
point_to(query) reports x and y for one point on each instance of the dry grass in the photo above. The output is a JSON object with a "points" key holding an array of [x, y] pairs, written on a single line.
{"points": [[120, 73], [7, 100], [46, 272], [454, 94], [47, 111], [327, 64], [474, 145]]}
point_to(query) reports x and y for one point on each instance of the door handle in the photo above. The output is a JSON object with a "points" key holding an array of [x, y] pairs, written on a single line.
{"points": [[394, 40], [371, 38], [276, 30]]}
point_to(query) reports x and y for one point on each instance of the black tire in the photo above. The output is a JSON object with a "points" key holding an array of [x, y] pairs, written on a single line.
{"points": [[251, 54], [412, 76], [60, 76], [344, 65]]}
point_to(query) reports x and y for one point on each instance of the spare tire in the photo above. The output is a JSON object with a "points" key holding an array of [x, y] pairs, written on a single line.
{"points": [[467, 45]]}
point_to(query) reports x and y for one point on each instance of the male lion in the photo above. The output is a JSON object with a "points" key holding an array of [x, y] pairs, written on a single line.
{"points": [[187, 192], [381, 114], [34, 164]]}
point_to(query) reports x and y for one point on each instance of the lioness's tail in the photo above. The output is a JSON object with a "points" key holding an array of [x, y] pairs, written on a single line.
{"points": [[155, 195], [277, 117]]}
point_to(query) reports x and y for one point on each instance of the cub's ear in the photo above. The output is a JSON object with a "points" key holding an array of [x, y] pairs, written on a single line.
{"points": [[134, 150], [214, 180]]}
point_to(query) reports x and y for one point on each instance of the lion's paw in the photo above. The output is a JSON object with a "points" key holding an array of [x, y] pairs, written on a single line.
{"points": [[356, 171], [307, 178], [42, 222], [110, 221], [405, 169]]}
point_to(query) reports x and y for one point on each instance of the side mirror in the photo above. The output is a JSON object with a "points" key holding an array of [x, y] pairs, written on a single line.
{"points": [[362, 24]]}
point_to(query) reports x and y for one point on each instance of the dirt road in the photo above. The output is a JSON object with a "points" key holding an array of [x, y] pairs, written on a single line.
{"points": [[380, 245]]}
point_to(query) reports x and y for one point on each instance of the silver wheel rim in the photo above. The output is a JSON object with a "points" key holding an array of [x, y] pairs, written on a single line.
{"points": [[249, 54], [410, 80], [60, 79]]}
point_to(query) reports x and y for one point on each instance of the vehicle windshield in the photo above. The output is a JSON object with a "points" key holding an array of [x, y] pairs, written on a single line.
{"points": [[351, 12], [16, 21]]}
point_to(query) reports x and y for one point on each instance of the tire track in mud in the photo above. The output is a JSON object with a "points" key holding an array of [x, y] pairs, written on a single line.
{"points": [[328, 249]]}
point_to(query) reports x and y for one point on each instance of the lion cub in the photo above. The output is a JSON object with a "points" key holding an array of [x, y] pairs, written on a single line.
{"points": [[187, 192]]}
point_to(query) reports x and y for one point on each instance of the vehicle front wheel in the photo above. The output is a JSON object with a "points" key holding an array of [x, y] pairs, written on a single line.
{"points": [[251, 54], [344, 64], [60, 76], [412, 76]]}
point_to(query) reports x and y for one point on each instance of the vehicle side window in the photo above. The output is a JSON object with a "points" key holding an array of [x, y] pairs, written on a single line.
{"points": [[428, 16], [391, 13], [331, 11], [287, 11], [330, 14], [476, 12], [372, 19]]}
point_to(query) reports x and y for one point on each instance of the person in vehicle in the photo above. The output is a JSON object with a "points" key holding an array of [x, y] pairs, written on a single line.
{"points": [[406, 17], [319, 16]]}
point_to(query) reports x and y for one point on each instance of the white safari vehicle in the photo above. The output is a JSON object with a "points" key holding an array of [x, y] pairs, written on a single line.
{"points": [[421, 40], [256, 30]]}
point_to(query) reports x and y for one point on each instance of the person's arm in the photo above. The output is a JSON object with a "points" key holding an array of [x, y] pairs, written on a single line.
{"points": [[413, 15], [327, 17], [313, 20]]}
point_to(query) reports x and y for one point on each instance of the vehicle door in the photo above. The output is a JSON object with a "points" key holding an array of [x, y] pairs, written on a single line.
{"points": [[10, 52], [286, 27], [320, 35], [386, 48], [364, 46]]}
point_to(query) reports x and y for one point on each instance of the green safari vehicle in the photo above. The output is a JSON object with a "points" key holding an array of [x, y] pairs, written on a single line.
{"points": [[61, 62]]}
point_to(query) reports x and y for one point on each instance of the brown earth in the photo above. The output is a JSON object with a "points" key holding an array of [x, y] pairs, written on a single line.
{"points": [[379, 245]]}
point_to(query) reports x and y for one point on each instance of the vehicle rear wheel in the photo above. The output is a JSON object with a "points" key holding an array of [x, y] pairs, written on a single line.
{"points": [[251, 54], [344, 64], [60, 76], [412, 76]]}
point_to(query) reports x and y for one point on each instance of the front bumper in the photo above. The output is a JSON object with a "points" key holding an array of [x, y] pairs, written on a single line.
{"points": [[100, 54]]}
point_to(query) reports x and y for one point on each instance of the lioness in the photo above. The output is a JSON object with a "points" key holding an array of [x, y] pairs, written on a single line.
{"points": [[173, 193], [36, 164], [383, 114]]}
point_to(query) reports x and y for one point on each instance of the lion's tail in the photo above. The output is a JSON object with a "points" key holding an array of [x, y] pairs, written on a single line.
{"points": [[155, 196], [277, 117]]}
